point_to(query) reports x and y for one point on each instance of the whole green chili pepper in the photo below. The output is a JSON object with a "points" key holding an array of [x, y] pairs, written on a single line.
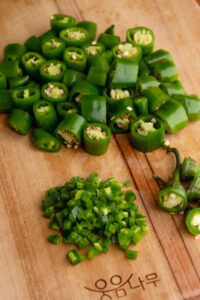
{"points": [[18, 81], [165, 70], [72, 76], [172, 88], [25, 97], [20, 121], [82, 87], [141, 36], [6, 102], [61, 21], [127, 51], [189, 168], [65, 108], [14, 51], [75, 36], [147, 133], [146, 82], [93, 108], [31, 62], [45, 141], [52, 48], [75, 58], [10, 69], [52, 70], [191, 104], [172, 198], [192, 221], [3, 81], [156, 98], [45, 115], [97, 77], [141, 105], [157, 56], [96, 138], [33, 44], [91, 27], [54, 91]]}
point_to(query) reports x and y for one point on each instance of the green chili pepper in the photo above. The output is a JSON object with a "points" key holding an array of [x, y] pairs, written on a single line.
{"points": [[69, 130], [31, 62], [45, 115], [3, 81], [52, 70], [33, 44], [165, 70], [141, 105], [108, 38], [100, 63], [192, 221], [156, 98], [82, 87], [72, 76], [113, 96], [18, 81], [131, 254], [54, 239], [125, 105], [93, 49], [189, 168], [108, 55], [145, 82], [48, 34], [75, 37], [45, 141], [10, 69], [96, 138], [157, 56], [172, 198], [96, 76], [20, 121], [54, 91], [52, 48], [173, 115], [193, 191], [65, 108], [127, 51], [14, 51], [120, 122], [141, 36], [6, 102], [25, 97], [74, 257], [191, 104], [143, 69], [75, 58], [124, 74], [172, 88], [93, 108], [60, 21], [91, 27], [147, 133]]}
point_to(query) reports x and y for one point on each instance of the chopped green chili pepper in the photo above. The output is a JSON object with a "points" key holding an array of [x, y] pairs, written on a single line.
{"points": [[143, 69], [125, 105], [172, 88], [25, 97], [127, 51], [146, 82], [72, 76], [189, 168], [124, 74], [20, 121], [52, 48], [156, 98], [75, 58], [192, 221], [141, 36], [131, 254], [121, 121], [173, 115], [60, 21], [191, 104], [69, 130], [82, 87], [115, 95], [100, 63], [44, 141], [141, 105], [65, 108], [48, 34], [52, 70], [45, 115], [54, 239], [147, 133], [96, 76], [31, 62], [10, 69], [54, 91], [110, 29], [18, 81], [127, 183], [14, 51], [172, 198], [75, 37], [33, 44], [93, 108], [109, 39], [193, 191], [96, 138], [93, 49], [157, 56], [165, 70], [6, 102], [108, 55], [3, 81], [91, 27], [75, 257]]}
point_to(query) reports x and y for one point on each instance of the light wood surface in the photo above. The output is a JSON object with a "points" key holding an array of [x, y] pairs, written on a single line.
{"points": [[31, 268]]}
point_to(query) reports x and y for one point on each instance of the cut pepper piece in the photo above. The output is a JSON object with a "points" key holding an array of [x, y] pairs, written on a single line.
{"points": [[93, 108], [6, 102], [45, 115], [90, 26], [14, 52], [75, 58], [75, 36], [82, 87], [192, 221], [25, 97], [127, 51], [52, 70], [31, 62], [20, 121], [3, 81], [141, 36], [52, 48], [65, 108], [156, 98], [61, 21], [72, 76], [165, 70], [172, 88], [54, 91], [191, 104], [44, 141]]}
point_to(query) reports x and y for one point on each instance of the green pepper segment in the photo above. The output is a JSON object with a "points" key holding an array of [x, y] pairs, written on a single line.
{"points": [[45, 141], [75, 36], [143, 69], [31, 62], [48, 34], [69, 130], [20, 121], [165, 70], [6, 102], [93, 49], [172, 88], [54, 91], [96, 138], [3, 81], [115, 97], [14, 52], [189, 168], [97, 77], [157, 56], [10, 68], [192, 221], [61, 21], [45, 115], [127, 51], [82, 87], [193, 191], [25, 97], [75, 257], [93, 108], [72, 76], [141, 105], [173, 115], [75, 58], [172, 198], [191, 104], [121, 121], [90, 26], [156, 98], [52, 48], [18, 81], [147, 133], [141, 36], [52, 70], [146, 82], [65, 108], [108, 40], [33, 44]]}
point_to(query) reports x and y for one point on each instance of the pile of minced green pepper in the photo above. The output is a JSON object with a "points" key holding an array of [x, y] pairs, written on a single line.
{"points": [[78, 90], [174, 198], [94, 214]]}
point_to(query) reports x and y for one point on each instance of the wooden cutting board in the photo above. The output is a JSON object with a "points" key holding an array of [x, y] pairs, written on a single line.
{"points": [[168, 265]]}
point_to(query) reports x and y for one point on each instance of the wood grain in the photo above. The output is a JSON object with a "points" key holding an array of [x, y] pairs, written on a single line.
{"points": [[31, 268]]}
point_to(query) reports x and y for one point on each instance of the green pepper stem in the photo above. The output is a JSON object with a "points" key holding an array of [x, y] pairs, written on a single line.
{"points": [[176, 177], [160, 179]]}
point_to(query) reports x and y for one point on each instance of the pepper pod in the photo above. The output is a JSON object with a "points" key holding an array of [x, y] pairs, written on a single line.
{"points": [[82, 87], [141, 105], [18, 81], [52, 70], [157, 56], [33, 43], [69, 130], [93, 108], [189, 168], [172, 88], [147, 133], [75, 58], [14, 51], [52, 48], [25, 97], [10, 68], [120, 121], [20, 121], [6, 102], [172, 198], [72, 76], [96, 137], [75, 36], [31, 62], [156, 98], [191, 104], [90, 26], [192, 221], [173, 115], [165, 70], [145, 82], [143, 37], [45, 141], [108, 39], [45, 115], [115, 96], [61, 21], [127, 51], [3, 81], [54, 91]]}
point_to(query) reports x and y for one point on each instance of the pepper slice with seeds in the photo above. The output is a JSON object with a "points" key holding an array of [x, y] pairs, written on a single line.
{"points": [[25, 97], [115, 98], [45, 141], [65, 108], [52, 70], [192, 221], [121, 121], [127, 51], [141, 36], [80, 88], [96, 138], [61, 21], [31, 62], [75, 36], [54, 91], [45, 115], [75, 58], [52, 48]]}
